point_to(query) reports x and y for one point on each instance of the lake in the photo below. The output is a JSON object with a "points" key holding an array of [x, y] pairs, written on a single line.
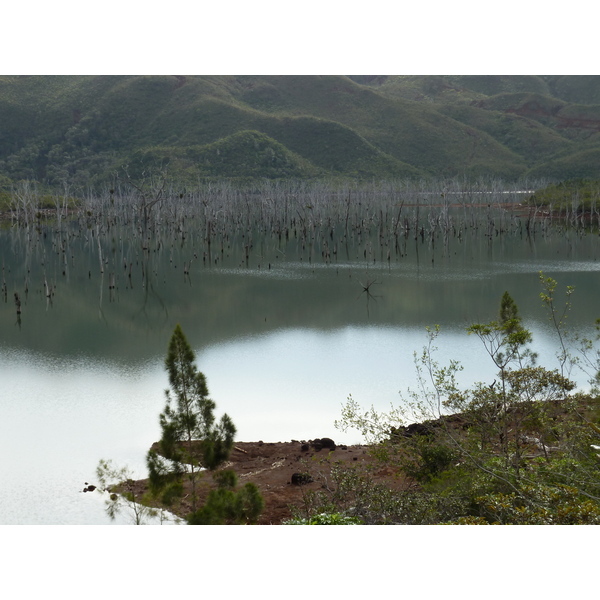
{"points": [[286, 325]]}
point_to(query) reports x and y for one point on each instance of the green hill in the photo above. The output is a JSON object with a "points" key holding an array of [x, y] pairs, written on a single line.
{"points": [[81, 130]]}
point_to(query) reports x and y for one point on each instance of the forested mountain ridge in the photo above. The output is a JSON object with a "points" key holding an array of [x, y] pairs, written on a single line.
{"points": [[83, 130]]}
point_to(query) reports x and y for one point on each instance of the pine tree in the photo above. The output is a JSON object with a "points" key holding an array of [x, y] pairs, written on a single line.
{"points": [[227, 506], [191, 439]]}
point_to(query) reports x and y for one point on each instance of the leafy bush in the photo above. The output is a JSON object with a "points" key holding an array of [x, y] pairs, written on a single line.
{"points": [[326, 519], [432, 460], [541, 505], [227, 507], [171, 492]]}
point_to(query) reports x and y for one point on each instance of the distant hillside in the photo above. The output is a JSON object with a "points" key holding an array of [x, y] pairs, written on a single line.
{"points": [[83, 130]]}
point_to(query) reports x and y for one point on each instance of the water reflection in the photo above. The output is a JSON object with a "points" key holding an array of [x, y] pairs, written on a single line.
{"points": [[60, 416], [283, 336]]}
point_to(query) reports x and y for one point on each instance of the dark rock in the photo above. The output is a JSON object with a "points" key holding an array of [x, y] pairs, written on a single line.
{"points": [[320, 443], [425, 428], [301, 478], [429, 427], [328, 443]]}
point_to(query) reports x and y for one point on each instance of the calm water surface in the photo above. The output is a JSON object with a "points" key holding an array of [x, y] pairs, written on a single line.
{"points": [[282, 340]]}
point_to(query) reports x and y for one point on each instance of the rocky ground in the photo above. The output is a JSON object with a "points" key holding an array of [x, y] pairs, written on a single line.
{"points": [[275, 468]]}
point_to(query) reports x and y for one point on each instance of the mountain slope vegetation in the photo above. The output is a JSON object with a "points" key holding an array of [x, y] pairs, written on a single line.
{"points": [[83, 131]]}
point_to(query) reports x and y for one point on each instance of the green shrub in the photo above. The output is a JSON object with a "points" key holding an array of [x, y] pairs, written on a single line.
{"points": [[228, 507], [172, 491], [226, 479], [326, 519], [431, 460], [541, 505]]}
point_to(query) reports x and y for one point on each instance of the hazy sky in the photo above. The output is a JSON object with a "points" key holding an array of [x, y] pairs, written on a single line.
{"points": [[312, 37]]}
